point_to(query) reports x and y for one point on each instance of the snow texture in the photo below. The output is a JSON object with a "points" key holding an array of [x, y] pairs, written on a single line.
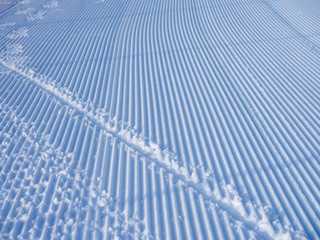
{"points": [[163, 119]]}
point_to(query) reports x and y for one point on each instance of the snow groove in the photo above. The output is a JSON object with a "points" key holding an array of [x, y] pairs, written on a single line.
{"points": [[160, 119], [126, 135], [162, 159]]}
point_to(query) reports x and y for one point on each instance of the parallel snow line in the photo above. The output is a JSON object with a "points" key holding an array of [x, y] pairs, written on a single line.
{"points": [[226, 123], [179, 104], [153, 154], [10, 8], [31, 136], [31, 111], [287, 23], [244, 90], [136, 142], [261, 118]]}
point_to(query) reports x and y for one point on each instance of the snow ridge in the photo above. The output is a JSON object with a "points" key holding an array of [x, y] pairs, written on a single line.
{"points": [[160, 119], [164, 159]]}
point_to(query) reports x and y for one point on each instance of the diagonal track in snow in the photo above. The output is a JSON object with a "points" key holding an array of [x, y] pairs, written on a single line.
{"points": [[206, 80], [165, 161], [60, 165]]}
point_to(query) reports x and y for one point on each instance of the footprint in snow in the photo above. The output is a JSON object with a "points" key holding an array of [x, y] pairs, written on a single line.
{"points": [[36, 16], [21, 32], [4, 26], [24, 11], [51, 4]]}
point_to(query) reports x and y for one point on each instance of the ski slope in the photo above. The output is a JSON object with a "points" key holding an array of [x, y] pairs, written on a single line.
{"points": [[160, 119]]}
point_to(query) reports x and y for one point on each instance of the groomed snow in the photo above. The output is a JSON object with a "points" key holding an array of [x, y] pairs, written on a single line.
{"points": [[162, 119]]}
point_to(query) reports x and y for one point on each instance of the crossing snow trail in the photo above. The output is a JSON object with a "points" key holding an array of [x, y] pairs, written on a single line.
{"points": [[160, 119]]}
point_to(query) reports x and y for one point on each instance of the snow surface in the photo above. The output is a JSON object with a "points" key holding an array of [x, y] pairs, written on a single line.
{"points": [[162, 119]]}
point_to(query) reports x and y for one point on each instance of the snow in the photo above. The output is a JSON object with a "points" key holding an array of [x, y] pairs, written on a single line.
{"points": [[159, 119], [21, 32]]}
